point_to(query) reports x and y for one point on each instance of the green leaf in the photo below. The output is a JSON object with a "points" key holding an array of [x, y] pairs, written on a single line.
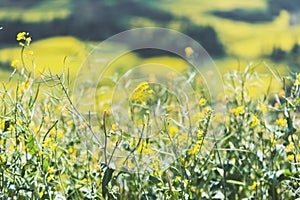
{"points": [[45, 164], [154, 179], [30, 144], [287, 172]]}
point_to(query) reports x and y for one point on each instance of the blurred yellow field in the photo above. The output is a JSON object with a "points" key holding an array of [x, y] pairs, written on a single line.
{"points": [[67, 53], [244, 40], [52, 54], [41, 11]]}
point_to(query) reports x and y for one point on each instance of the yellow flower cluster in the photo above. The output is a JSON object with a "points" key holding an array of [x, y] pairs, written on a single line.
{"points": [[256, 184], [254, 122], [50, 170], [114, 127], [173, 131], [290, 157], [15, 63], [24, 39], [195, 148], [202, 102], [145, 148], [200, 133], [238, 111], [141, 93], [262, 108], [281, 122], [290, 147], [72, 150]]}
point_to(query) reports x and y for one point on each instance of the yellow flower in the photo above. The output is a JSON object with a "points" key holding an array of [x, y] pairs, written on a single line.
{"points": [[143, 103], [70, 123], [173, 131], [52, 132], [21, 36], [254, 185], [202, 102], [20, 122], [281, 122], [290, 157], [72, 150], [274, 142], [2, 158], [46, 107], [194, 150], [24, 86], [140, 93], [41, 194], [290, 147], [150, 92], [186, 182], [46, 142], [60, 134], [199, 133], [52, 146], [262, 108], [201, 115], [50, 178], [188, 51], [254, 122], [28, 40], [47, 119], [73, 157], [207, 109], [50, 170], [114, 127], [11, 128], [238, 111], [15, 63], [177, 179]]}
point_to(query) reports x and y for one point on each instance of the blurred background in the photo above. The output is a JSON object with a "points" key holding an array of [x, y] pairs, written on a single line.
{"points": [[233, 32]]}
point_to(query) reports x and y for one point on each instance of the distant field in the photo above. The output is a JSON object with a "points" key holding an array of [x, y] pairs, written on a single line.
{"points": [[46, 10], [56, 53], [244, 40]]}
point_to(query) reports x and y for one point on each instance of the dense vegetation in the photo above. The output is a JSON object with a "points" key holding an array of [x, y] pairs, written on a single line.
{"points": [[250, 150]]}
